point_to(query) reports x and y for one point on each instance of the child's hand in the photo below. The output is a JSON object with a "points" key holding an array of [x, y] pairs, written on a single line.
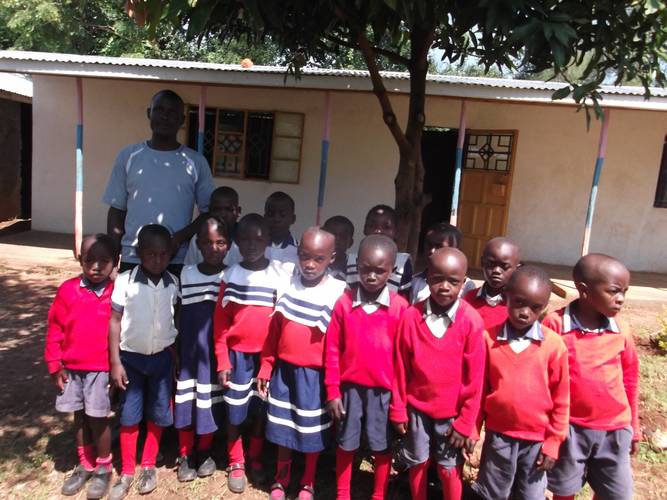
{"points": [[335, 409], [118, 376], [60, 378], [263, 387], [401, 428], [225, 377], [545, 462], [634, 448], [469, 448], [456, 440]]}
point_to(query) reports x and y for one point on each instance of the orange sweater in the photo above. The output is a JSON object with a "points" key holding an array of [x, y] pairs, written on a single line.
{"points": [[604, 373], [527, 394]]}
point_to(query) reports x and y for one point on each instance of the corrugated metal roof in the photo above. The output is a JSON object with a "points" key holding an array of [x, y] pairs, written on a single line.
{"points": [[15, 83], [127, 62]]}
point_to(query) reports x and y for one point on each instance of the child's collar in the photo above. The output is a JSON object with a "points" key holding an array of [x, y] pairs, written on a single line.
{"points": [[508, 333], [140, 277], [571, 323], [96, 288], [288, 241]]}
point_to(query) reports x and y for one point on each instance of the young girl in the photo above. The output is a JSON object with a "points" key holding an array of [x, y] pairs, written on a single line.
{"points": [[294, 353], [198, 409], [77, 356], [240, 330]]}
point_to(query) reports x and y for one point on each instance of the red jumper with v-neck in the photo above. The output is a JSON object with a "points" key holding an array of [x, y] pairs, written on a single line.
{"points": [[491, 315]]}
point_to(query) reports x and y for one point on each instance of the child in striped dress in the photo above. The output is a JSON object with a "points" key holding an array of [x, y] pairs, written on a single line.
{"points": [[198, 399], [293, 359], [240, 330]]}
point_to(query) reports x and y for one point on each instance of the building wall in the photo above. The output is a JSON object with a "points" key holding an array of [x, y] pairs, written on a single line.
{"points": [[553, 166]]}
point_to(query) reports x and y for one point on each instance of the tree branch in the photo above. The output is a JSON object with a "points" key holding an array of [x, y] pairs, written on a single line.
{"points": [[394, 57]]}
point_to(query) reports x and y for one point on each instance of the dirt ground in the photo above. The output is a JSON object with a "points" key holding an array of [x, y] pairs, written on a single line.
{"points": [[36, 443]]}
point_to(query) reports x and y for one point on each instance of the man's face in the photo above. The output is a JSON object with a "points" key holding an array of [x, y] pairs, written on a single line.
{"points": [[166, 116]]}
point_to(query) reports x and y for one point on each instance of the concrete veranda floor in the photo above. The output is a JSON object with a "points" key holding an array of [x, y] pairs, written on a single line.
{"points": [[39, 248]]}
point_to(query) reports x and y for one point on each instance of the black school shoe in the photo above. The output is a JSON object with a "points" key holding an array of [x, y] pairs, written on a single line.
{"points": [[185, 471], [147, 481], [99, 484], [75, 482], [206, 466]]}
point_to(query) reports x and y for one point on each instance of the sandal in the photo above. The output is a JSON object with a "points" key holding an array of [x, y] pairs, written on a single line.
{"points": [[236, 482], [307, 492], [277, 492]]}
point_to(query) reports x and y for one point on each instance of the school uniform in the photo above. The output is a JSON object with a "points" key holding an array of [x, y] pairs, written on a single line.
{"points": [[525, 410], [147, 333], [399, 280], [284, 251], [241, 328], [604, 416], [194, 256], [293, 360], [432, 396], [77, 340], [339, 271], [198, 400], [492, 309], [419, 290], [359, 366]]}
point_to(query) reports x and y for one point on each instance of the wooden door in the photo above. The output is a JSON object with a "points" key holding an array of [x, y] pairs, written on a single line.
{"points": [[486, 183]]}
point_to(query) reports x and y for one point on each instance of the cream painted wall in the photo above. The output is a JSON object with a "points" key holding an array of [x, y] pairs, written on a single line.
{"points": [[553, 165]]}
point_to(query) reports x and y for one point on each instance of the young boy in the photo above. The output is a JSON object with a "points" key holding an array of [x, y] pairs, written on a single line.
{"points": [[247, 299], [141, 352], [293, 359], [224, 203], [604, 371], [501, 257], [77, 356], [343, 230], [382, 219], [359, 366], [435, 404], [526, 400], [279, 214], [439, 235]]}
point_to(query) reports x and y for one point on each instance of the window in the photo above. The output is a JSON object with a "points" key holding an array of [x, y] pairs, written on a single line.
{"points": [[488, 151], [250, 144], [661, 190]]}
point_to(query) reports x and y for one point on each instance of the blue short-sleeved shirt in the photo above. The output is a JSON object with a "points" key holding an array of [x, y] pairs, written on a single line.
{"points": [[157, 187]]}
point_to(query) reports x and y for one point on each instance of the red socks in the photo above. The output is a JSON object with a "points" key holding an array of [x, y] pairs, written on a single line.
{"points": [[255, 451], [235, 452], [204, 442], [382, 470], [152, 444], [186, 442], [452, 487], [86, 456], [309, 469], [128, 448], [344, 461], [419, 481], [104, 463], [570, 497], [283, 472]]}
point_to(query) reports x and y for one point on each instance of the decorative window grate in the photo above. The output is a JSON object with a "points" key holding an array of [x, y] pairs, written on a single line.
{"points": [[488, 151]]}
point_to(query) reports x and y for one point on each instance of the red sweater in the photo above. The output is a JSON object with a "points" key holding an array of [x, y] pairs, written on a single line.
{"points": [[240, 327], [78, 330], [424, 382], [604, 373], [492, 316], [293, 342], [359, 346], [527, 394]]}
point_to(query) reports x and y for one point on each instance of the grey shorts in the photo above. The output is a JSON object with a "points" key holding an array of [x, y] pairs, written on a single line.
{"points": [[366, 421], [508, 469], [426, 438], [87, 391], [601, 458]]}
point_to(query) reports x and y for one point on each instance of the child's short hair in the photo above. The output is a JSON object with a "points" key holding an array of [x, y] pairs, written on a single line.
{"points": [[106, 242], [339, 219], [589, 268], [379, 241], [449, 233], [221, 227], [152, 231], [532, 272], [280, 196], [225, 192], [249, 221], [169, 94], [386, 210]]}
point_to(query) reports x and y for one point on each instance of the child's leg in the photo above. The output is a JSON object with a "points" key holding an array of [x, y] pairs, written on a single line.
{"points": [[204, 443], [84, 442], [418, 475], [498, 467], [234, 445], [530, 483], [452, 485], [344, 461], [310, 469], [257, 443], [102, 438], [151, 445], [568, 497], [129, 435], [186, 441], [609, 469], [283, 471], [381, 479]]}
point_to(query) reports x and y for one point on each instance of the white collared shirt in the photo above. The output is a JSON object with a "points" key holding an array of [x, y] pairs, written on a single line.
{"points": [[147, 325], [384, 299], [439, 323], [492, 301], [570, 322], [520, 343]]}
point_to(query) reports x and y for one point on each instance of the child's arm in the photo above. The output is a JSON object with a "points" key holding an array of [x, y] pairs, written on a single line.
{"points": [[222, 320], [559, 385], [332, 348], [398, 412], [55, 335], [269, 354], [630, 367], [118, 375]]}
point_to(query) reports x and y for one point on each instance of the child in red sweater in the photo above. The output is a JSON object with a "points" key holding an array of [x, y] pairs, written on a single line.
{"points": [[77, 356], [604, 371], [436, 404], [501, 257], [526, 401], [247, 298], [359, 366], [293, 359]]}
